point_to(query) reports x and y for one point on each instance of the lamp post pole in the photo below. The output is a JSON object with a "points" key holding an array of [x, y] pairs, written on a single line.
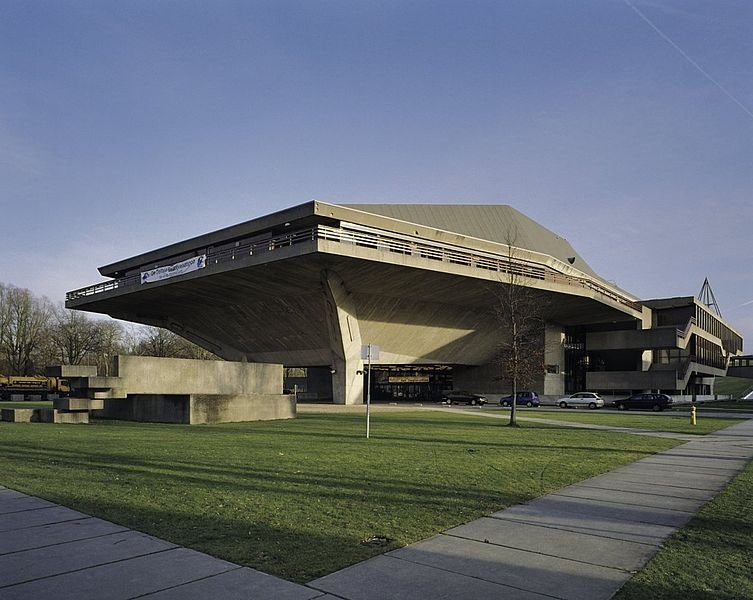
{"points": [[368, 390], [368, 352]]}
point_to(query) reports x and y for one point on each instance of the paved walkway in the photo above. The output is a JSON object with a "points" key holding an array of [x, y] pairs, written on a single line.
{"points": [[581, 543]]}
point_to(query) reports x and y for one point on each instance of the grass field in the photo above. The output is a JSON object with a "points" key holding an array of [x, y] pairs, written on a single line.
{"points": [[710, 558], [41, 404], [296, 498], [675, 423], [727, 405], [735, 386]]}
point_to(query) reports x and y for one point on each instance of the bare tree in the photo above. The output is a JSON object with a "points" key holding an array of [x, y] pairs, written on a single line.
{"points": [[24, 320], [74, 335], [111, 342], [4, 322], [519, 312], [155, 341]]}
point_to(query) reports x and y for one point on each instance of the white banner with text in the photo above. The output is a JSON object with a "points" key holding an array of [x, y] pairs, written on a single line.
{"points": [[181, 268]]}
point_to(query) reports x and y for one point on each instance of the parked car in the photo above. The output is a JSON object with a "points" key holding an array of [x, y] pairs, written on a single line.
{"points": [[462, 397], [656, 402], [589, 399], [521, 399]]}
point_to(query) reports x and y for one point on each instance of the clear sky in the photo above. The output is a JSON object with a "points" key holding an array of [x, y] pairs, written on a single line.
{"points": [[625, 126]]}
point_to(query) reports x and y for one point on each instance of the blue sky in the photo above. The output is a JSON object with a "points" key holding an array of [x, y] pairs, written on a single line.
{"points": [[625, 126]]}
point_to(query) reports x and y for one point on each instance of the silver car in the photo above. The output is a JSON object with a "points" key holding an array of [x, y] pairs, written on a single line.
{"points": [[589, 399]]}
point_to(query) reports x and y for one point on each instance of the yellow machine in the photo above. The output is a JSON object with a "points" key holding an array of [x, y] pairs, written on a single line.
{"points": [[32, 385]]}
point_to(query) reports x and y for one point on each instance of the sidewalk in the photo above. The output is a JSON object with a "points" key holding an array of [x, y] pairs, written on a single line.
{"points": [[581, 543]]}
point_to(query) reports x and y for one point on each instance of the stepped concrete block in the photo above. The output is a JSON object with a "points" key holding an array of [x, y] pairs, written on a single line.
{"points": [[52, 415], [18, 415], [46, 415], [72, 417], [72, 404], [71, 371], [114, 393], [102, 383]]}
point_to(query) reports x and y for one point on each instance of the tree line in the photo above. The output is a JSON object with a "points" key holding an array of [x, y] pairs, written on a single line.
{"points": [[35, 333]]}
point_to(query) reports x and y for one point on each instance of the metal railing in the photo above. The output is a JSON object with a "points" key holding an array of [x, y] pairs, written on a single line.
{"points": [[363, 237], [683, 333]]}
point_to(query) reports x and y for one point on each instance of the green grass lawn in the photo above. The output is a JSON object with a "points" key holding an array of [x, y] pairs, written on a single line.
{"points": [[735, 386], [40, 404], [727, 405], [710, 558], [675, 423], [296, 498]]}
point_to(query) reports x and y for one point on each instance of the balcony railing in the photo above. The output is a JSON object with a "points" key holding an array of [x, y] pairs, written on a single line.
{"points": [[364, 237]]}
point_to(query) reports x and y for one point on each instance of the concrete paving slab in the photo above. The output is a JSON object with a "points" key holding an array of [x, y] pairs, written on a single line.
{"points": [[41, 516], [646, 475], [707, 448], [389, 577], [593, 509], [13, 504], [607, 482], [58, 533], [674, 472], [239, 584], [661, 465], [645, 533], [694, 465], [123, 580], [591, 548], [29, 565], [518, 569], [633, 498], [722, 452]]}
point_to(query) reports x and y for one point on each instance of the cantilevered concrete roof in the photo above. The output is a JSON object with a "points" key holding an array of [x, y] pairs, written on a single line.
{"points": [[493, 222], [499, 224], [308, 284]]}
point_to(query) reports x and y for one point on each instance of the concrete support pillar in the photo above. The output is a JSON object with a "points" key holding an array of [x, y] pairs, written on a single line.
{"points": [[647, 356], [554, 355], [344, 340]]}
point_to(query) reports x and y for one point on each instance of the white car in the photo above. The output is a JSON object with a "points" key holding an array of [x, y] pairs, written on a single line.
{"points": [[589, 399]]}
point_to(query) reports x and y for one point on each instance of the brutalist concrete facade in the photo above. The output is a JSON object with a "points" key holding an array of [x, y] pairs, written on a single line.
{"points": [[311, 285], [174, 390]]}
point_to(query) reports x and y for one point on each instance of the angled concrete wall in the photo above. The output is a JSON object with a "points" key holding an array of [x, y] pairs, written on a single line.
{"points": [[151, 375], [173, 390], [226, 409], [195, 409]]}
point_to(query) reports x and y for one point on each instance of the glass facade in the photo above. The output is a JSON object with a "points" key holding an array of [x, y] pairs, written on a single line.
{"points": [[409, 383]]}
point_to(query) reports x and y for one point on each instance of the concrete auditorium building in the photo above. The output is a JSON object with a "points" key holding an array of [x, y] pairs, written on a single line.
{"points": [[311, 285]]}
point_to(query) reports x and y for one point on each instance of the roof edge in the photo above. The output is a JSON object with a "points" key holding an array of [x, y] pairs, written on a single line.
{"points": [[307, 209]]}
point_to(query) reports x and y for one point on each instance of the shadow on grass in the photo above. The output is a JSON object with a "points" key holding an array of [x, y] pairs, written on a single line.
{"points": [[296, 498], [672, 591], [259, 480]]}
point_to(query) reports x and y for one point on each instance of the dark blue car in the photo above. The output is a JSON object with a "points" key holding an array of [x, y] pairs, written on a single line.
{"points": [[522, 399]]}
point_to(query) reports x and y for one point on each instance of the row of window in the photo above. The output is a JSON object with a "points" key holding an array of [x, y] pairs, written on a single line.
{"points": [[705, 320]]}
